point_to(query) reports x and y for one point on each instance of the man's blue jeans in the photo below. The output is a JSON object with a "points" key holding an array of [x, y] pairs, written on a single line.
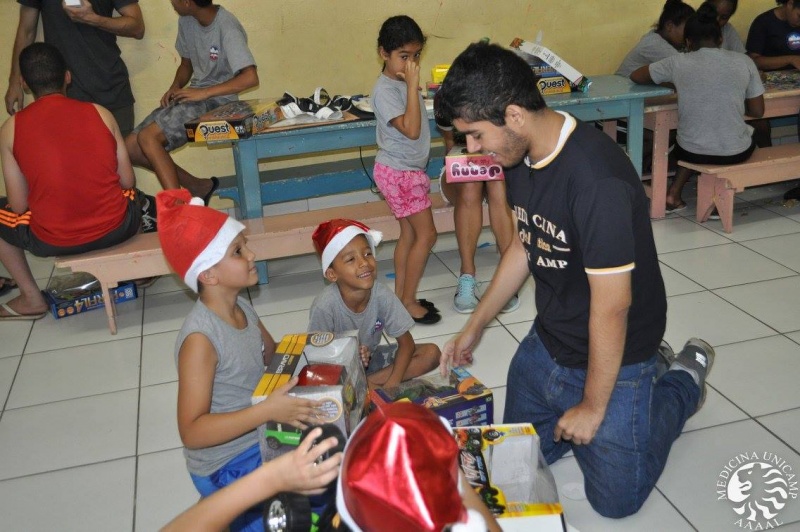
{"points": [[627, 455]]}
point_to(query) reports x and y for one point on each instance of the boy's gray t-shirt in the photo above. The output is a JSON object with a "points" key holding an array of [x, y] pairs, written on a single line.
{"points": [[713, 84], [240, 365], [217, 51], [651, 47], [384, 313], [395, 150]]}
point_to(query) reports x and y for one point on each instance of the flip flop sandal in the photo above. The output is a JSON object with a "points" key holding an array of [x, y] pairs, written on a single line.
{"points": [[13, 315], [675, 208]]}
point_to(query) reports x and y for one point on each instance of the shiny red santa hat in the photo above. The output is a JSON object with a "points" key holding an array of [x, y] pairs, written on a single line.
{"points": [[400, 472], [332, 236], [193, 237]]}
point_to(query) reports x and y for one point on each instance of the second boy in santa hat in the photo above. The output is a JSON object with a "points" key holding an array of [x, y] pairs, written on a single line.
{"points": [[354, 301]]}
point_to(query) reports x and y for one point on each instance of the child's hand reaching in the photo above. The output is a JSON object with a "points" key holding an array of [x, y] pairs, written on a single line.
{"points": [[299, 471], [284, 408], [363, 351]]}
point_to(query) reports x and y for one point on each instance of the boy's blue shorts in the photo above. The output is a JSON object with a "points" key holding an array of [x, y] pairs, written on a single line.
{"points": [[246, 462]]}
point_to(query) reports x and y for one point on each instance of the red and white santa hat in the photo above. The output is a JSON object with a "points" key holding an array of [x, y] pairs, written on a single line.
{"points": [[400, 472], [332, 236], [193, 237]]}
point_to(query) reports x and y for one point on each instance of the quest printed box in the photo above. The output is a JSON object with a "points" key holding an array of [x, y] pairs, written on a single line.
{"points": [[504, 466], [462, 166], [343, 397], [63, 307], [555, 76], [460, 398], [235, 120]]}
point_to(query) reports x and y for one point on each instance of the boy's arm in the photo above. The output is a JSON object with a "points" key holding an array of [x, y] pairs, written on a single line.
{"points": [[199, 428], [246, 78], [16, 184], [182, 76], [402, 358], [294, 471], [127, 179], [130, 23]]}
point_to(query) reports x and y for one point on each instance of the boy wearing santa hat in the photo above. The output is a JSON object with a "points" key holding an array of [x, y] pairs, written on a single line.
{"points": [[221, 349], [354, 301]]}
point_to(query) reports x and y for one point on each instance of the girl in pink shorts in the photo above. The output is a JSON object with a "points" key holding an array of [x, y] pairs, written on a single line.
{"points": [[404, 142]]}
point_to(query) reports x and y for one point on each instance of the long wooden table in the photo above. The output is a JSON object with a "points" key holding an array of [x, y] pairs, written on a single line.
{"points": [[661, 116]]}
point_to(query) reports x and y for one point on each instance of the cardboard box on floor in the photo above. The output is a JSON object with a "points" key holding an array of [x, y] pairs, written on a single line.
{"points": [[460, 398], [504, 465], [343, 403], [555, 75], [62, 307]]}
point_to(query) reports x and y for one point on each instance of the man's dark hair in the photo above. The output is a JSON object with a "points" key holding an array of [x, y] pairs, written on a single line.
{"points": [[202, 3], [43, 68], [484, 80]]}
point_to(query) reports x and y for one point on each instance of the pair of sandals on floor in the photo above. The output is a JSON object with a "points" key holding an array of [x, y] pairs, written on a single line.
{"points": [[678, 207], [431, 315]]}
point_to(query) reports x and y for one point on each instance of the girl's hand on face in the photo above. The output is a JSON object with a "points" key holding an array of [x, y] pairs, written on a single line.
{"points": [[410, 75]]}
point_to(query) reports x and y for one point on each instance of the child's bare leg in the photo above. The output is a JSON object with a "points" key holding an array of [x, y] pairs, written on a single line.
{"points": [[500, 215], [401, 251], [424, 359], [424, 238], [682, 175], [148, 152]]}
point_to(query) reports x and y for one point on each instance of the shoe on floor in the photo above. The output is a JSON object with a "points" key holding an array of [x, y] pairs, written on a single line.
{"points": [[714, 214], [13, 315], [793, 194], [665, 358], [430, 317], [678, 207], [465, 300], [6, 285], [512, 305], [696, 358]]}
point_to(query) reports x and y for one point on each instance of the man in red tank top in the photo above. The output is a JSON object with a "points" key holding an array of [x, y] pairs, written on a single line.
{"points": [[68, 178]]}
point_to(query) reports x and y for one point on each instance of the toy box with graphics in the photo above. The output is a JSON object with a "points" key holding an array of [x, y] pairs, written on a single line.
{"points": [[505, 467], [330, 371], [554, 75], [69, 303], [462, 166], [460, 398], [235, 120]]}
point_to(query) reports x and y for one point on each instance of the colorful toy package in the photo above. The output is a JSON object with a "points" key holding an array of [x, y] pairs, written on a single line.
{"points": [[462, 166], [460, 398], [505, 467], [556, 75], [330, 371]]}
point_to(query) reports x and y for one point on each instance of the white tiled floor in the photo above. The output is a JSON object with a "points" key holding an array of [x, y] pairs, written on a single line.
{"points": [[88, 439]]}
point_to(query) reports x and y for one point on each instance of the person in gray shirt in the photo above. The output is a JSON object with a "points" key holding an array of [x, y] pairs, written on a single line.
{"points": [[664, 40], [717, 87], [216, 64]]}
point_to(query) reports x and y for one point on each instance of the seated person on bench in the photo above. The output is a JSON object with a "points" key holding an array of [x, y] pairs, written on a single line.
{"points": [[67, 176]]}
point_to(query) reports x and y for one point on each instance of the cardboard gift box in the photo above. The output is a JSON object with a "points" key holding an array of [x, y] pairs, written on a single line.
{"points": [[505, 467], [460, 398], [235, 120], [343, 395], [61, 307], [555, 75], [462, 166]]}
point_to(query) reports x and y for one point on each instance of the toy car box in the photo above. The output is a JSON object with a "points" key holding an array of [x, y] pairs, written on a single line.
{"points": [[62, 307], [505, 467], [460, 398], [342, 400], [235, 120], [462, 166], [555, 75]]}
